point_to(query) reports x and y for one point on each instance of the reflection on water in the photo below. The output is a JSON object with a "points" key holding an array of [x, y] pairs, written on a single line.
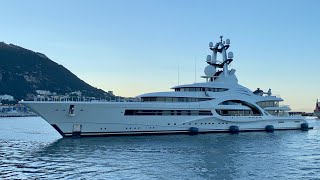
{"points": [[30, 148]]}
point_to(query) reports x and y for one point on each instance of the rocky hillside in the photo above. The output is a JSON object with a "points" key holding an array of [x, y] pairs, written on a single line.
{"points": [[23, 71]]}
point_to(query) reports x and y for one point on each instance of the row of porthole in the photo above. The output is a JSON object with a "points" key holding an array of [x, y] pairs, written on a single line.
{"points": [[197, 123], [133, 128], [138, 128], [168, 124]]}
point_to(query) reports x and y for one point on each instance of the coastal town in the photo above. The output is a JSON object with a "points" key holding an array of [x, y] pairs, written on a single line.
{"points": [[10, 106]]}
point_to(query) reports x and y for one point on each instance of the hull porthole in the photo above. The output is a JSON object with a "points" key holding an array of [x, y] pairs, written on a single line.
{"points": [[304, 126], [269, 128], [234, 129], [193, 131]]}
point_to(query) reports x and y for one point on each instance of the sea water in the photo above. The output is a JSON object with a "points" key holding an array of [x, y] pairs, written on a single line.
{"points": [[31, 149]]}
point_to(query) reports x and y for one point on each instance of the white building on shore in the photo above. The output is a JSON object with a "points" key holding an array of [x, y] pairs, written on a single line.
{"points": [[6, 97]]}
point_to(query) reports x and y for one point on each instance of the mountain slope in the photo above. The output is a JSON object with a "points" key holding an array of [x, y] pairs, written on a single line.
{"points": [[23, 71]]}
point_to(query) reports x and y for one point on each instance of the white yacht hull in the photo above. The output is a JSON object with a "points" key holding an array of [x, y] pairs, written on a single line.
{"points": [[108, 118]]}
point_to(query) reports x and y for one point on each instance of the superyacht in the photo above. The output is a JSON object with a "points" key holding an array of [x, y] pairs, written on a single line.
{"points": [[219, 104]]}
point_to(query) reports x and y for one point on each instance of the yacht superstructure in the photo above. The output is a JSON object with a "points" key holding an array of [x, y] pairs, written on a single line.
{"points": [[219, 104]]}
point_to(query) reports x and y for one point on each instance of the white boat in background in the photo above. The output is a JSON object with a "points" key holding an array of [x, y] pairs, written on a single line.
{"points": [[219, 104], [15, 111], [316, 111]]}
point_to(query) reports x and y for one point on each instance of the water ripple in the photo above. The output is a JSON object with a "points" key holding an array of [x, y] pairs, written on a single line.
{"points": [[35, 151]]}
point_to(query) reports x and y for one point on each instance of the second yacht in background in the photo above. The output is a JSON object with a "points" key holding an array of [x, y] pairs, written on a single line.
{"points": [[316, 111]]}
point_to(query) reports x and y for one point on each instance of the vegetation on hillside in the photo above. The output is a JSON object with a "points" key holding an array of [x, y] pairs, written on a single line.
{"points": [[23, 71]]}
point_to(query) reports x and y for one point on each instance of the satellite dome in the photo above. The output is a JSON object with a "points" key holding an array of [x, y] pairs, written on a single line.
{"points": [[208, 58], [230, 55], [210, 71]]}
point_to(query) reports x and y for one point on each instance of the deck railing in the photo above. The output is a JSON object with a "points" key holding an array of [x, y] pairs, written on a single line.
{"points": [[86, 99]]}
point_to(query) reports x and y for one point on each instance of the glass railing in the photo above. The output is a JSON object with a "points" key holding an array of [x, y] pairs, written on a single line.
{"points": [[86, 99]]}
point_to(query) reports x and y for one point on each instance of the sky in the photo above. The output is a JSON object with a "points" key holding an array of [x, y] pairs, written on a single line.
{"points": [[133, 47]]}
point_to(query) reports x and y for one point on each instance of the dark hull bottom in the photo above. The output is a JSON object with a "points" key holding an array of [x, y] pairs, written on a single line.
{"points": [[144, 133]]}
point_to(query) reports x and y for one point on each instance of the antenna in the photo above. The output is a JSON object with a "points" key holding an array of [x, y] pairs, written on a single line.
{"points": [[178, 74], [195, 69]]}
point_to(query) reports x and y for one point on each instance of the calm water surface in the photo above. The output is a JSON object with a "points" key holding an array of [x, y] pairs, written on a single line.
{"points": [[31, 149]]}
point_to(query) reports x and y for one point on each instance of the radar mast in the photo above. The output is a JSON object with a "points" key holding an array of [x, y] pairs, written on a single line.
{"points": [[215, 68]]}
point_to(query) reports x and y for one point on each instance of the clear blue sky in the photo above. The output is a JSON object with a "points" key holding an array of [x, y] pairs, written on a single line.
{"points": [[136, 46]]}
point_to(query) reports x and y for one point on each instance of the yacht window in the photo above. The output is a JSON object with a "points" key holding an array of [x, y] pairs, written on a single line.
{"points": [[194, 113], [236, 113], [264, 104], [254, 111], [205, 113], [173, 99], [168, 99], [203, 89], [172, 112], [230, 103], [167, 113], [161, 99], [184, 113]]}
